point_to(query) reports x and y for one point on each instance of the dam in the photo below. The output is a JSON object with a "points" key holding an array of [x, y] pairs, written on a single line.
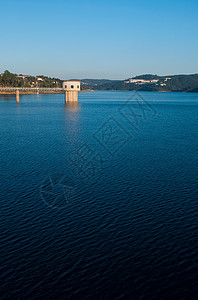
{"points": [[70, 88]]}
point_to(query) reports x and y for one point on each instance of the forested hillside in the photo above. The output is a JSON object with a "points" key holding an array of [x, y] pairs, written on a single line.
{"points": [[146, 82]]}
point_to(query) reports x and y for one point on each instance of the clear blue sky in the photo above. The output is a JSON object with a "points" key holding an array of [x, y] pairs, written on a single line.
{"points": [[99, 39]]}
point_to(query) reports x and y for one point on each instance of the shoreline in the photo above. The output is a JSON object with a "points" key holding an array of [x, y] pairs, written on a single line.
{"points": [[88, 90], [34, 93]]}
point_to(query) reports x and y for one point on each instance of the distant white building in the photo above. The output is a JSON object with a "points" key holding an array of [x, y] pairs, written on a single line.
{"points": [[142, 81]]}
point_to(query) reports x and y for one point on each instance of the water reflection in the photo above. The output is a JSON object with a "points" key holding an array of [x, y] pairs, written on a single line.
{"points": [[72, 106], [7, 97], [71, 115]]}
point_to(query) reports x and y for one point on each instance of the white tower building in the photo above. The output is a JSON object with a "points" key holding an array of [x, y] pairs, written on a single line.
{"points": [[72, 88]]}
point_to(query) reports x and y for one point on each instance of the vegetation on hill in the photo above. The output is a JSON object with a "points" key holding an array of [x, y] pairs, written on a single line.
{"points": [[176, 83], [146, 82], [13, 80], [147, 77]]}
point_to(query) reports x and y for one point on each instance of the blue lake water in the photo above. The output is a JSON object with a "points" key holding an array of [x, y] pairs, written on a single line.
{"points": [[99, 200]]}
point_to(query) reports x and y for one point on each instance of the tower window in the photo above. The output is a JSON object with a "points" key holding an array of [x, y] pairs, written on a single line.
{"points": [[72, 86]]}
